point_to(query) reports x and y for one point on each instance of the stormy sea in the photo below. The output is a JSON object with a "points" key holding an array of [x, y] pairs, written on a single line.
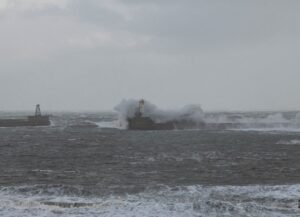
{"points": [[87, 164]]}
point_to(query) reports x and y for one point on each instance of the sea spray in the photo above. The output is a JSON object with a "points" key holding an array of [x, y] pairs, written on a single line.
{"points": [[128, 108], [243, 120]]}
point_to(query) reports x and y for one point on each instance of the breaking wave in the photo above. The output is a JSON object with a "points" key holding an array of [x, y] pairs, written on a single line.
{"points": [[128, 108], [264, 201], [258, 121], [289, 142], [115, 124], [251, 121]]}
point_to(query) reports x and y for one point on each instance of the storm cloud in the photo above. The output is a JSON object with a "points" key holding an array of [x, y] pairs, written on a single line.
{"points": [[91, 54]]}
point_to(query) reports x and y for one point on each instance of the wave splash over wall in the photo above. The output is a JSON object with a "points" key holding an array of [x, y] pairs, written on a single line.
{"points": [[128, 108], [266, 121]]}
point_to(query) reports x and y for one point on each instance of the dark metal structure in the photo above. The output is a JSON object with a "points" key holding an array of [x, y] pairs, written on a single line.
{"points": [[38, 110], [37, 120]]}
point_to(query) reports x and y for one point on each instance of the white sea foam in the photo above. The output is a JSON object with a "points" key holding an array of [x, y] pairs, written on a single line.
{"points": [[268, 129], [289, 142], [193, 201], [276, 122], [110, 124]]}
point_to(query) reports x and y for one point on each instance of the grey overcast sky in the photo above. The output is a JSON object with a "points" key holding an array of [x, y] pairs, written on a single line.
{"points": [[91, 54]]}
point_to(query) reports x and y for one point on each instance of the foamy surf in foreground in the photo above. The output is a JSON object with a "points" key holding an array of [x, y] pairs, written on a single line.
{"points": [[264, 201]]}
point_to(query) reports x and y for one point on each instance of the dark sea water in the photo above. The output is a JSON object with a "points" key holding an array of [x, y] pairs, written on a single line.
{"points": [[84, 165]]}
